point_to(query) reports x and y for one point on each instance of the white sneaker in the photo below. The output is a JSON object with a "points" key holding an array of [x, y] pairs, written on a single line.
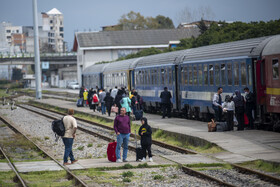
{"points": [[119, 160], [151, 159], [143, 160]]}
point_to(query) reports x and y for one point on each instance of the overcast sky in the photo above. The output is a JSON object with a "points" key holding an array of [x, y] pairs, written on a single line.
{"points": [[93, 14]]}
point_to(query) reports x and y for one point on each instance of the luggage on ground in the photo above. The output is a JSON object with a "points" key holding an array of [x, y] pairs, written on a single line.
{"points": [[139, 151], [111, 151], [138, 114], [80, 102], [246, 120], [58, 127], [221, 127], [115, 109], [212, 126]]}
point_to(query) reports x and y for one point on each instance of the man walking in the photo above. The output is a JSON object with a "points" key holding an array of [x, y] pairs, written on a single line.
{"points": [[70, 125], [217, 104], [249, 106], [114, 92], [165, 102], [102, 95], [122, 129]]}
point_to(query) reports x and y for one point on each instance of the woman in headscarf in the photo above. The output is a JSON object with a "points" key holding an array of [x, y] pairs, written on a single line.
{"points": [[109, 101], [118, 98], [125, 103], [239, 109]]}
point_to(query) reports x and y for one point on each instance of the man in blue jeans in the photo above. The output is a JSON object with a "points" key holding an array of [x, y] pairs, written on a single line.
{"points": [[70, 125], [122, 129]]}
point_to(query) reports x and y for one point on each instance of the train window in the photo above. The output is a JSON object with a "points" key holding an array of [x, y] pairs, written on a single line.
{"points": [[182, 75], [211, 74], [190, 75], [275, 69], [149, 77], [162, 76], [194, 75], [170, 76], [156, 76], [200, 74], [249, 73], [223, 74], [186, 75], [229, 74], [236, 73], [217, 74], [205, 69], [243, 74]]}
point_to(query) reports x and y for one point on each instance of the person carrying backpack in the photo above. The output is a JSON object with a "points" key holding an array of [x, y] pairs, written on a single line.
{"points": [[95, 100], [145, 132], [71, 126]]}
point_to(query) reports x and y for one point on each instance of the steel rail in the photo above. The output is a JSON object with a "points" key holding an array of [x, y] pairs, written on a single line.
{"points": [[70, 175], [22, 182], [155, 142]]}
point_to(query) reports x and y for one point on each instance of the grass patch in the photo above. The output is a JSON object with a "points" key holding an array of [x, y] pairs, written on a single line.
{"points": [[263, 166], [6, 178], [211, 166], [47, 178], [46, 138], [128, 174], [158, 177], [89, 145], [80, 148], [126, 180]]}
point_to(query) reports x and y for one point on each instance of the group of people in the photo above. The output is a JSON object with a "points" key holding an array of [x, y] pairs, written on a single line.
{"points": [[122, 129], [234, 105], [99, 100]]}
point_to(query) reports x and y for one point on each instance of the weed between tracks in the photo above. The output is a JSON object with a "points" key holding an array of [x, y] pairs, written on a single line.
{"points": [[263, 166], [158, 134], [6, 178], [210, 166]]}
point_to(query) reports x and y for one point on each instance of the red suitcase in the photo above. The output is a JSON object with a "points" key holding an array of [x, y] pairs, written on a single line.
{"points": [[111, 151]]}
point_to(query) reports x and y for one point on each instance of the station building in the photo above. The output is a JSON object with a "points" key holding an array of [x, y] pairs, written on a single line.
{"points": [[93, 47]]}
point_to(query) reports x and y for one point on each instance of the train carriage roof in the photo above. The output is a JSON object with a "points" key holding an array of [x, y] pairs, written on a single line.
{"points": [[272, 47], [160, 59], [240, 48], [96, 68], [122, 65]]}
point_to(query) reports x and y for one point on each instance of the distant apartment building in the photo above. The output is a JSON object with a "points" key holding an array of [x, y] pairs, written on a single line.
{"points": [[7, 30], [19, 42], [43, 39], [52, 21]]}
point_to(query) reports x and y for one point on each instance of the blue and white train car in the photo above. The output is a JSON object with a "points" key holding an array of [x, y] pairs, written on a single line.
{"points": [[120, 74], [92, 76], [152, 74], [204, 69]]}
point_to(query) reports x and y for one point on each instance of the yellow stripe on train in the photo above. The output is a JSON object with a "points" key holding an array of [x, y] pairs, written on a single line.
{"points": [[273, 91]]}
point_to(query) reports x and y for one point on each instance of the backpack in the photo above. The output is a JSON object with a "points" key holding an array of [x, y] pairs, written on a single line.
{"points": [[95, 99], [58, 127]]}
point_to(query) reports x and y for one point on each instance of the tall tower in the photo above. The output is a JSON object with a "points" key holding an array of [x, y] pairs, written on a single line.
{"points": [[53, 22]]}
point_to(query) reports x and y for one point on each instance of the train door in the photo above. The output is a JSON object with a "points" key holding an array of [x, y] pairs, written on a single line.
{"points": [[260, 81], [176, 84], [131, 79]]}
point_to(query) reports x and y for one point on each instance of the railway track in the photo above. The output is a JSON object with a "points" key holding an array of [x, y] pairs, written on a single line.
{"points": [[70, 175], [18, 178], [187, 170]]}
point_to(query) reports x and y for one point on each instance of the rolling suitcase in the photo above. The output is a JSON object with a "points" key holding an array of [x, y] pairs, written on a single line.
{"points": [[111, 151], [80, 102], [139, 150]]}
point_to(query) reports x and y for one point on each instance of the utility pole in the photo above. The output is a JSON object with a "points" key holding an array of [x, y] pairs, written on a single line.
{"points": [[36, 51]]}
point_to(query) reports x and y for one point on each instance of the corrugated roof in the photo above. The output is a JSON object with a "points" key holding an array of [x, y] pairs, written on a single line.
{"points": [[122, 65], [272, 47], [96, 68], [133, 37]]}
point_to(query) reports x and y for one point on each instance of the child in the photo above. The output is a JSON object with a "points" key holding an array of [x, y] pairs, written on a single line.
{"points": [[228, 107], [145, 132]]}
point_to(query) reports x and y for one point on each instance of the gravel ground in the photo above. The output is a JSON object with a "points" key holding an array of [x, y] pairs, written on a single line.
{"points": [[237, 179], [39, 128]]}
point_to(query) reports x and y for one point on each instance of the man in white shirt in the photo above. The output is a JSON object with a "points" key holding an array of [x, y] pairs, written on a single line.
{"points": [[71, 126], [217, 104], [114, 92]]}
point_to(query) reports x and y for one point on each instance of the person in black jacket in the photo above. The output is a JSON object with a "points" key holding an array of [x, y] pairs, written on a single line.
{"points": [[109, 101], [118, 98], [165, 102], [145, 132], [249, 106], [239, 109], [81, 93], [90, 94]]}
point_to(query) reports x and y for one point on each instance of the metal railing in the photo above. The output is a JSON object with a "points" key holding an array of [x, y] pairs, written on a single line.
{"points": [[29, 55]]}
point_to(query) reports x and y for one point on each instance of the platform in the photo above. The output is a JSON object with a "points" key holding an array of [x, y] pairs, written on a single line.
{"points": [[244, 145]]}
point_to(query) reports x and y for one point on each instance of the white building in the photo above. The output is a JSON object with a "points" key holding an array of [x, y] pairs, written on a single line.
{"points": [[93, 47], [6, 32], [52, 21]]}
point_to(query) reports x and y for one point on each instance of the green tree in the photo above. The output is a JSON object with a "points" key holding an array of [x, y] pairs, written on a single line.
{"points": [[202, 26], [164, 22]]}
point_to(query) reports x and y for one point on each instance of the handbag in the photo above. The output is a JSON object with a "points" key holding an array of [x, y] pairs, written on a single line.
{"points": [[115, 109]]}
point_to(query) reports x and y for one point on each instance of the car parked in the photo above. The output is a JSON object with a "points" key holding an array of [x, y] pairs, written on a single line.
{"points": [[73, 85]]}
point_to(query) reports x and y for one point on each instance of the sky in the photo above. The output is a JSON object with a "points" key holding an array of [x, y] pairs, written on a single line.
{"points": [[85, 15]]}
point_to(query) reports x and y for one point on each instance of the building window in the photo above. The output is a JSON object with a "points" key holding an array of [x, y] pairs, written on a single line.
{"points": [[275, 69], [8, 31], [17, 31], [51, 21], [51, 28], [61, 29], [61, 35], [60, 22]]}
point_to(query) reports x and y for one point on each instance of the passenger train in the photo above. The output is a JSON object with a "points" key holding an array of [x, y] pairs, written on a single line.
{"points": [[193, 76]]}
